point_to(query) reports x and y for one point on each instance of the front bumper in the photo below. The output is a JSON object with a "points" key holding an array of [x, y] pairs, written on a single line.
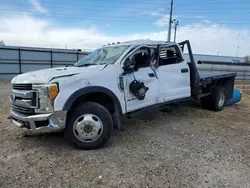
{"points": [[40, 123]]}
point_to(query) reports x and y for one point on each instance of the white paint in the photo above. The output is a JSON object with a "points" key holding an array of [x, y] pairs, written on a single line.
{"points": [[173, 83], [170, 83], [152, 94], [45, 75]]}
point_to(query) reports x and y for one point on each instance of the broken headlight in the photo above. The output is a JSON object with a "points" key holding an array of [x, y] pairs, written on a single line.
{"points": [[46, 96]]}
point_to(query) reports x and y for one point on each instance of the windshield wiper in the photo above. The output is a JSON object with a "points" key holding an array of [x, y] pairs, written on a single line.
{"points": [[86, 64]]}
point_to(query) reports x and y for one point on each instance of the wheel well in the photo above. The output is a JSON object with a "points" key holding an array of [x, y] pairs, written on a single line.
{"points": [[228, 84], [97, 97]]}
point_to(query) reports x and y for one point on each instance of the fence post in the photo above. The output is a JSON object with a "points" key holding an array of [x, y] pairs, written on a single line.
{"points": [[51, 59], [19, 61], [244, 77]]}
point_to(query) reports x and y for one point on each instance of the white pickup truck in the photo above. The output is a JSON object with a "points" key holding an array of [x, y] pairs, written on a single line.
{"points": [[86, 100]]}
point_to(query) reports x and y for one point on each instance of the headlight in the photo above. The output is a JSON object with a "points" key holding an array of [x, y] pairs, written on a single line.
{"points": [[46, 93]]}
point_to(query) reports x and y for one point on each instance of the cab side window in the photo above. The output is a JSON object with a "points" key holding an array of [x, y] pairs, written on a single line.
{"points": [[169, 55], [141, 58]]}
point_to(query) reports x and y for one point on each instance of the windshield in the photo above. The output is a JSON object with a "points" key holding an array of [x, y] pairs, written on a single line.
{"points": [[105, 55]]}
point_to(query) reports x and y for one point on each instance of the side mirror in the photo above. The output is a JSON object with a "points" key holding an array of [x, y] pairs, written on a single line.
{"points": [[129, 65]]}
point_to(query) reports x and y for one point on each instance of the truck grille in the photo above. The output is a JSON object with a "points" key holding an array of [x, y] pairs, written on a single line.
{"points": [[24, 99], [22, 86], [23, 110]]}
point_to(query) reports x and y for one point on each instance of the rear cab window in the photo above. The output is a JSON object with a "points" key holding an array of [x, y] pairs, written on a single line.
{"points": [[169, 55]]}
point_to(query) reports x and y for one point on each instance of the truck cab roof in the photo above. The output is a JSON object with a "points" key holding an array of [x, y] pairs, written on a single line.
{"points": [[142, 42]]}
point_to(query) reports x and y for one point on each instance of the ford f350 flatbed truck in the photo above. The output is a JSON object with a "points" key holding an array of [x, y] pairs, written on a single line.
{"points": [[86, 100]]}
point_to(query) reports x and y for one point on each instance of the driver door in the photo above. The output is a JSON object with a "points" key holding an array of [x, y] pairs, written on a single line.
{"points": [[146, 75]]}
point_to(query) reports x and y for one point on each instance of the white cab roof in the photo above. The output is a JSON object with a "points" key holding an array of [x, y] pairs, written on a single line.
{"points": [[141, 42]]}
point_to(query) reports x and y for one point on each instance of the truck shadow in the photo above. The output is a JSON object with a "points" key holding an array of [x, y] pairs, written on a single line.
{"points": [[164, 117], [48, 140], [149, 118]]}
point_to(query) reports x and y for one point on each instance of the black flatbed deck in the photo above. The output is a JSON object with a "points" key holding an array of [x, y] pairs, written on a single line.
{"points": [[207, 78], [202, 83], [212, 76], [200, 77]]}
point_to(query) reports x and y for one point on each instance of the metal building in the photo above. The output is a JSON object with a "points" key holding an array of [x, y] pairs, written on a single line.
{"points": [[16, 59], [203, 57]]}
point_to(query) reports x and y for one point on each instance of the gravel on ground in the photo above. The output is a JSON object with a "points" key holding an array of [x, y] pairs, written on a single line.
{"points": [[182, 146]]}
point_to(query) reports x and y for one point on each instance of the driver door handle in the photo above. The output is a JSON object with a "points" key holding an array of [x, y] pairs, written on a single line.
{"points": [[151, 75], [184, 70]]}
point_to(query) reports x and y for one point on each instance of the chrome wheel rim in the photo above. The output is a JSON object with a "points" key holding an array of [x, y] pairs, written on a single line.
{"points": [[87, 128], [222, 99]]}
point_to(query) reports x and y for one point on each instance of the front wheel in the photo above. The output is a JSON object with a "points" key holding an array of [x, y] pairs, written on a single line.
{"points": [[89, 126]]}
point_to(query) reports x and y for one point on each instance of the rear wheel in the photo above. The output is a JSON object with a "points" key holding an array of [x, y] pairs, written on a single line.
{"points": [[216, 101], [219, 99], [89, 126]]}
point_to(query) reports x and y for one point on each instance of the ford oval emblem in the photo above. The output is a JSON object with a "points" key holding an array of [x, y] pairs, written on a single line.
{"points": [[12, 97]]}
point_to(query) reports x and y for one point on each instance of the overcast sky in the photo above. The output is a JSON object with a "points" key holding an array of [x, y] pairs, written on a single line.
{"points": [[211, 26]]}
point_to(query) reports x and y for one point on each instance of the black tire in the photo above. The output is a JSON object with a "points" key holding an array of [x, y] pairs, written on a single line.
{"points": [[212, 102], [89, 108], [218, 95]]}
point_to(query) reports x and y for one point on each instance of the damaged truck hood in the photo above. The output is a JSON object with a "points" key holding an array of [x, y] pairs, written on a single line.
{"points": [[46, 75]]}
